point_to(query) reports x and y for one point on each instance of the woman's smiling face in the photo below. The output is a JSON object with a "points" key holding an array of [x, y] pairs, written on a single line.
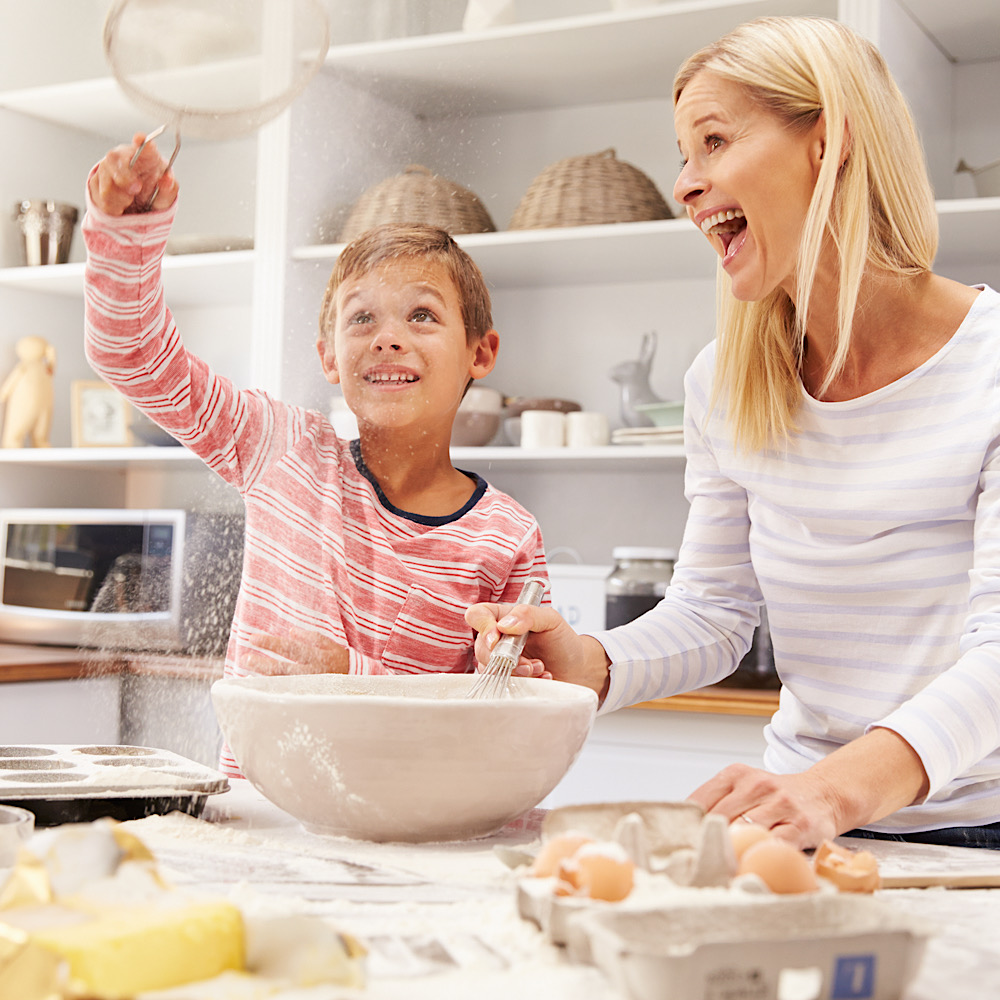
{"points": [[746, 182]]}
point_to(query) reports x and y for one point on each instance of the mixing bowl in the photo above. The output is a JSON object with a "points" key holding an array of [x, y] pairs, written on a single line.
{"points": [[402, 758]]}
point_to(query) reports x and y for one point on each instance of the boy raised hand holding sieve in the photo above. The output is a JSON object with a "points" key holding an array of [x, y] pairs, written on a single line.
{"points": [[360, 556]]}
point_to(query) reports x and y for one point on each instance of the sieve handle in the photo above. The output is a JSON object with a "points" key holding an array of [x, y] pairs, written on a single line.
{"points": [[156, 133]]}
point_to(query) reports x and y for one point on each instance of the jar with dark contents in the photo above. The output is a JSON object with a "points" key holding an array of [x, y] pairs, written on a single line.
{"points": [[638, 580]]}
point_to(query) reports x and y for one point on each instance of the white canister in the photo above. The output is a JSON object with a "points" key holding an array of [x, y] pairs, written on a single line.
{"points": [[578, 594], [543, 429], [587, 429]]}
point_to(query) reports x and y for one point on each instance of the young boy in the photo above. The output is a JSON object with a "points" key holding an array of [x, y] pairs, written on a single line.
{"points": [[362, 556]]}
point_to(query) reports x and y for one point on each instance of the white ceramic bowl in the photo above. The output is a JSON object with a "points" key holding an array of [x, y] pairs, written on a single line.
{"points": [[16, 828], [668, 413], [399, 758]]}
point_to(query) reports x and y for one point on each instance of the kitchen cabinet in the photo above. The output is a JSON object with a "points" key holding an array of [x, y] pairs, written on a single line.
{"points": [[490, 110]]}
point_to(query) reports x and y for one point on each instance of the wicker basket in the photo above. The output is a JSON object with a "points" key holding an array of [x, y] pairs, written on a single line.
{"points": [[589, 190], [417, 195]]}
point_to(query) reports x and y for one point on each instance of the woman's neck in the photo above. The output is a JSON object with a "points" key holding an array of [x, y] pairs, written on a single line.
{"points": [[899, 323]]}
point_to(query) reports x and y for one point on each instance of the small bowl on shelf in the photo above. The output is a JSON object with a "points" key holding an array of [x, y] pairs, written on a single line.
{"points": [[516, 405], [474, 428], [666, 413]]}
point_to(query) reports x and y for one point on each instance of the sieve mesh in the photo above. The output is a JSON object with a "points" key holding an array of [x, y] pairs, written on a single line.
{"points": [[214, 69]]}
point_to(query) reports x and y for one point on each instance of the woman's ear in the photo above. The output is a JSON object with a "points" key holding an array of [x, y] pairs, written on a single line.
{"points": [[328, 359]]}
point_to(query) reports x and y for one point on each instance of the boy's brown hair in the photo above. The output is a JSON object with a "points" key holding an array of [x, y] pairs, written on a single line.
{"points": [[398, 241]]}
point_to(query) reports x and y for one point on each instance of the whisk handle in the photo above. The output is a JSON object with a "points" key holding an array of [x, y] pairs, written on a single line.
{"points": [[531, 594]]}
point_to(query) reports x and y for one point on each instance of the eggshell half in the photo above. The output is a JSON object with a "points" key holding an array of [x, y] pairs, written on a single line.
{"points": [[849, 871], [564, 845], [600, 871]]}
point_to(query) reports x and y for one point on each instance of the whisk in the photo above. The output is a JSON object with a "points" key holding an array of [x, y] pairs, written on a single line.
{"points": [[493, 681]]}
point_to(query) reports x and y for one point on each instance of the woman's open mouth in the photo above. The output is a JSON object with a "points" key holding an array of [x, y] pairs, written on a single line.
{"points": [[730, 226]]}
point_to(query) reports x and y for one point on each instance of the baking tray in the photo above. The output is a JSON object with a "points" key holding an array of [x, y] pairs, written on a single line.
{"points": [[61, 783]]}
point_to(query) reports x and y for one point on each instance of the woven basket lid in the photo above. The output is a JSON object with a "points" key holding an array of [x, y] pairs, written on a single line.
{"points": [[589, 190], [418, 195]]}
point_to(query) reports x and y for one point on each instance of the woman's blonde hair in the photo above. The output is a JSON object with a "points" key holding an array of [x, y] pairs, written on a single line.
{"points": [[872, 198]]}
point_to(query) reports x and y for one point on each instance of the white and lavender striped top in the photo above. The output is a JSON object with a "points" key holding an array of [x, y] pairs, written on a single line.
{"points": [[874, 540], [325, 551]]}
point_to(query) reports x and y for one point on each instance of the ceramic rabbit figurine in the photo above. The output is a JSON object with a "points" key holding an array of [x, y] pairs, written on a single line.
{"points": [[633, 380], [27, 391]]}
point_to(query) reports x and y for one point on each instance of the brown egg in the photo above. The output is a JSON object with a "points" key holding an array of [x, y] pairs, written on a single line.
{"points": [[783, 868], [849, 871], [563, 845], [744, 835], [600, 871]]}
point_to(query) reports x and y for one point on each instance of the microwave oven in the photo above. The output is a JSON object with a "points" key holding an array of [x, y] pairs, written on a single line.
{"points": [[160, 580]]}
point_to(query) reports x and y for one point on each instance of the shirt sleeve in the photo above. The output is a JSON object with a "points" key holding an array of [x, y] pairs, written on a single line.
{"points": [[954, 722], [528, 563], [132, 342], [704, 625]]}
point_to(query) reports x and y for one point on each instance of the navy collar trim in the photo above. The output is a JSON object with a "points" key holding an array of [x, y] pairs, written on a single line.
{"points": [[477, 493]]}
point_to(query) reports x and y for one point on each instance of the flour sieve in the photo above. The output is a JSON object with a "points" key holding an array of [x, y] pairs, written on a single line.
{"points": [[214, 69]]}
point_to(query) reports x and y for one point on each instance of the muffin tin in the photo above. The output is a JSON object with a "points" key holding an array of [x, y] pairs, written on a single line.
{"points": [[75, 784]]}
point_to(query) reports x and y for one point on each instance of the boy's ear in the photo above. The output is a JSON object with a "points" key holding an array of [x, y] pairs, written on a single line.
{"points": [[328, 359], [484, 357]]}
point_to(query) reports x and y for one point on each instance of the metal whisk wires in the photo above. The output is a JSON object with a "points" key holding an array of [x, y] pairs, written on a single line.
{"points": [[494, 678]]}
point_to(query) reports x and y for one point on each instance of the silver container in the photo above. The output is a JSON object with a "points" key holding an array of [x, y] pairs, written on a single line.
{"points": [[46, 230]]}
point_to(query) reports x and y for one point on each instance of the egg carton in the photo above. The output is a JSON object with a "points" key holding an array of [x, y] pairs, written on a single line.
{"points": [[824, 947], [62, 783]]}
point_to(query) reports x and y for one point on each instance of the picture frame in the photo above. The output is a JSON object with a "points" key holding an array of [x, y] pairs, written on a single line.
{"points": [[101, 416]]}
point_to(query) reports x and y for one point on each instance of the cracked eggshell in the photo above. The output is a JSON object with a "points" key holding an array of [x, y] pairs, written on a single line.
{"points": [[849, 871]]}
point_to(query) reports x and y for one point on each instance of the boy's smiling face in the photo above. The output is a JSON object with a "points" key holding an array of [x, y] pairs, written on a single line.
{"points": [[399, 347]]}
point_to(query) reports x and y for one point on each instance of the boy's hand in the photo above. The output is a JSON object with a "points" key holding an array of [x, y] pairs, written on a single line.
{"points": [[297, 652], [119, 189], [563, 655]]}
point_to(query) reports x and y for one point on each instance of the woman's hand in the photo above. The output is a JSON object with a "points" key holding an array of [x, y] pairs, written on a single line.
{"points": [[553, 648], [862, 782], [117, 188], [297, 652], [798, 808]]}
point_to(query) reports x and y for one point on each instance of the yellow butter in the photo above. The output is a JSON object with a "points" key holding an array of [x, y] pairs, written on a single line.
{"points": [[115, 952]]}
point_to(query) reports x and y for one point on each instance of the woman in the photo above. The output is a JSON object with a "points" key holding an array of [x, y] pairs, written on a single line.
{"points": [[843, 462]]}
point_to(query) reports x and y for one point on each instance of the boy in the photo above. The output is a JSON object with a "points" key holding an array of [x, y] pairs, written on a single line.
{"points": [[360, 557]]}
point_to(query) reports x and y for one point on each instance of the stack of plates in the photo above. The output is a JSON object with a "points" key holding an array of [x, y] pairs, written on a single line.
{"points": [[648, 435]]}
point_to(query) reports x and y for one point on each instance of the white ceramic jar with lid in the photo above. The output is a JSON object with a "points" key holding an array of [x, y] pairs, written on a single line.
{"points": [[638, 580]]}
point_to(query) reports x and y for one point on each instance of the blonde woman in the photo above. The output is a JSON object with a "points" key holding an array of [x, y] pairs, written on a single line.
{"points": [[843, 459]]}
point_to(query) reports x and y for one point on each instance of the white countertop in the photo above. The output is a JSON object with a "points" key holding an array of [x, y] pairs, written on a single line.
{"points": [[440, 919]]}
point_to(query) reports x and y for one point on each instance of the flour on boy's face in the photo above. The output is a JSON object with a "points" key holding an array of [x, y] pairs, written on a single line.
{"points": [[400, 345]]}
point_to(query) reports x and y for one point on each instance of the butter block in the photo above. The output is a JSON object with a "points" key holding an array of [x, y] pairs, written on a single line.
{"points": [[115, 952]]}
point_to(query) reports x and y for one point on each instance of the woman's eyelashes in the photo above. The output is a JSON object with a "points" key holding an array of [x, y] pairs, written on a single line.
{"points": [[711, 143]]}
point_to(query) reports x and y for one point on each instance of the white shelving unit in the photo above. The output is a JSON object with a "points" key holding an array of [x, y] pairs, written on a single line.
{"points": [[488, 109]]}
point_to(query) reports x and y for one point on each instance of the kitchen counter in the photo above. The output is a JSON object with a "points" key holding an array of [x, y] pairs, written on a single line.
{"points": [[42, 663], [440, 919]]}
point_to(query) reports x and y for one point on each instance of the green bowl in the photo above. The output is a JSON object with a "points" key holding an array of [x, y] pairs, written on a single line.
{"points": [[664, 414]]}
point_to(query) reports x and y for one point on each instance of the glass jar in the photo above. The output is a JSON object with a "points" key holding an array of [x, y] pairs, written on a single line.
{"points": [[638, 580]]}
